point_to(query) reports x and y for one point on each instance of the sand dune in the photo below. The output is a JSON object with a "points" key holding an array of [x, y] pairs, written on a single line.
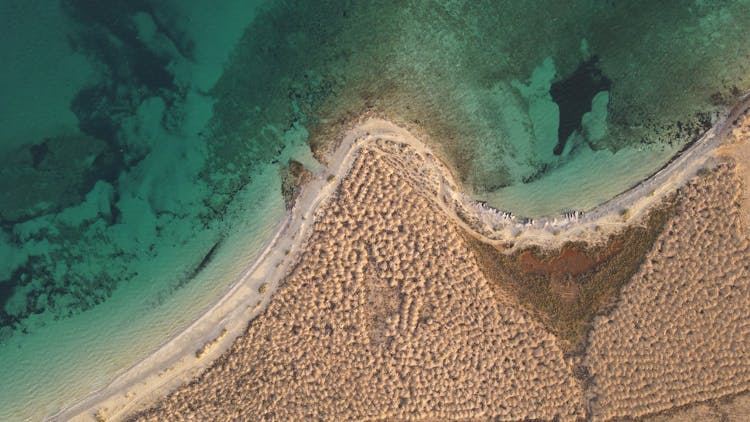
{"points": [[680, 333]]}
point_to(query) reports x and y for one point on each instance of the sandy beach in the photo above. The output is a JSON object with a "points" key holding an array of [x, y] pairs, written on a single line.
{"points": [[370, 304]]}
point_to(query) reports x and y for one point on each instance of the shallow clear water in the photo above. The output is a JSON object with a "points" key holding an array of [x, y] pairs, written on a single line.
{"points": [[142, 141]]}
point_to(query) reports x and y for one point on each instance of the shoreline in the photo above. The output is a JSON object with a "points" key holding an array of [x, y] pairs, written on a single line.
{"points": [[175, 362], [628, 207]]}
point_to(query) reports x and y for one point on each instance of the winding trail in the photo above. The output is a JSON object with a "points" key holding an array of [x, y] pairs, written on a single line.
{"points": [[176, 361]]}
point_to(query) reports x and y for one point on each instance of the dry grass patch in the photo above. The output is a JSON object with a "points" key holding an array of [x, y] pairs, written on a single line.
{"points": [[565, 288]]}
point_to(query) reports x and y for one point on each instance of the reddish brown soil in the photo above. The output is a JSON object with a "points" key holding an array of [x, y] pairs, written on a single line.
{"points": [[571, 261]]}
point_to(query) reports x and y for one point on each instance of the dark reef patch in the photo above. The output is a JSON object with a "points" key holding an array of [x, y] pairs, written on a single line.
{"points": [[134, 70], [24, 275], [53, 175], [58, 172], [92, 106], [44, 291], [38, 153], [206, 260], [6, 289], [574, 95], [106, 166], [112, 38]]}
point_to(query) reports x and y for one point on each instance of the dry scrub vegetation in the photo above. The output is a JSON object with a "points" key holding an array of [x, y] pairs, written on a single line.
{"points": [[293, 177], [394, 313], [681, 330], [385, 316]]}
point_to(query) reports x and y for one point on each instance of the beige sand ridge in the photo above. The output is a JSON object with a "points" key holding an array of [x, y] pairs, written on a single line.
{"points": [[594, 226], [503, 228], [734, 408]]}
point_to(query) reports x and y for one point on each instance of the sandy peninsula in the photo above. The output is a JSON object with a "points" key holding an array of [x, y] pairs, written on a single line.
{"points": [[374, 301]]}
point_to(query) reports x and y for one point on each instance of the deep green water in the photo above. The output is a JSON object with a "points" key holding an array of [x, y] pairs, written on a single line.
{"points": [[142, 140]]}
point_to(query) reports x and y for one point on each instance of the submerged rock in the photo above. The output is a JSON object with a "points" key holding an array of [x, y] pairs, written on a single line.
{"points": [[574, 96], [292, 179]]}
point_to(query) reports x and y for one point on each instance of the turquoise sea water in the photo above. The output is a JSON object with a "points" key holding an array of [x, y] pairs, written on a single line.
{"points": [[142, 141]]}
